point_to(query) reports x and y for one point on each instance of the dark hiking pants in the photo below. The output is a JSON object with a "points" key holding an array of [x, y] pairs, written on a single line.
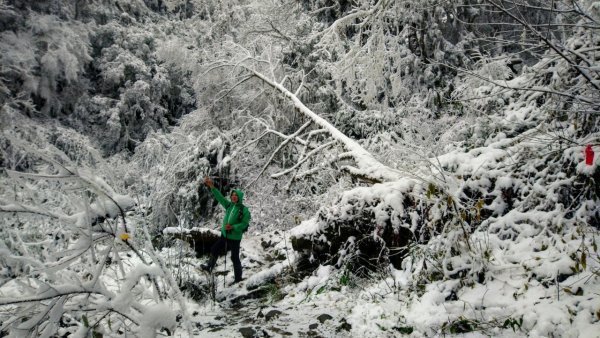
{"points": [[218, 249]]}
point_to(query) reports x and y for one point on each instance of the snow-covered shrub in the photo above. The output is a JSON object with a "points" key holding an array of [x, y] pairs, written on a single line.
{"points": [[181, 161], [383, 55], [71, 257], [45, 62], [372, 227], [500, 183], [47, 71]]}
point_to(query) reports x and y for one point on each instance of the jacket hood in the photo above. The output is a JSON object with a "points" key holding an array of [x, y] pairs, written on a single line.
{"points": [[240, 195]]}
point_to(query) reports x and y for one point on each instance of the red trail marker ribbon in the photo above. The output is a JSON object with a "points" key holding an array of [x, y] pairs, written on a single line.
{"points": [[589, 155]]}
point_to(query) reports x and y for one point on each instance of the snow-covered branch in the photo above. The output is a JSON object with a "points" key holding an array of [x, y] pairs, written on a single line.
{"points": [[366, 165], [16, 207], [50, 294], [539, 89], [561, 51], [86, 226], [281, 145], [302, 160]]}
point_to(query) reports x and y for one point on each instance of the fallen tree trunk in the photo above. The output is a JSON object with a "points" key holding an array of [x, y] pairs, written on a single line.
{"points": [[201, 239], [367, 166]]}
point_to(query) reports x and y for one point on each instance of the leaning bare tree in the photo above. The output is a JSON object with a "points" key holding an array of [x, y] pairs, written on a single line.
{"points": [[357, 57], [367, 54], [351, 156]]}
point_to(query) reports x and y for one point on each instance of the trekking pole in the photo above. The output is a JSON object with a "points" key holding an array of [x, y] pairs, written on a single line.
{"points": [[225, 257]]}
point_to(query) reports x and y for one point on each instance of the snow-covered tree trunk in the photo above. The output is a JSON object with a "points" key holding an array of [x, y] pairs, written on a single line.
{"points": [[367, 167]]}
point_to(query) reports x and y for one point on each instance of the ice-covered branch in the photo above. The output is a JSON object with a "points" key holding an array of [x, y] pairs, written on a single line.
{"points": [[51, 294], [92, 182], [14, 206], [314, 170], [269, 130], [558, 49], [342, 22], [366, 165], [302, 160], [281, 145]]}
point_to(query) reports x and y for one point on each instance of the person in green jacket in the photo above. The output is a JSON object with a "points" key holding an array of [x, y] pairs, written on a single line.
{"points": [[235, 223]]}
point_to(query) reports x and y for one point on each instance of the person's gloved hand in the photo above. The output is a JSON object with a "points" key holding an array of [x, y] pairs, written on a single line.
{"points": [[208, 182], [228, 227]]}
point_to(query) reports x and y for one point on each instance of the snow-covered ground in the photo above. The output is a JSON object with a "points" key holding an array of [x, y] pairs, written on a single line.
{"points": [[509, 301]]}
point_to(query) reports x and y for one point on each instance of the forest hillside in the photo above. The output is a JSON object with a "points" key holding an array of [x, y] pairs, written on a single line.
{"points": [[412, 168]]}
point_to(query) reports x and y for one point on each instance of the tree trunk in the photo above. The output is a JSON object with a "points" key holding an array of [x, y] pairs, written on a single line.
{"points": [[367, 167]]}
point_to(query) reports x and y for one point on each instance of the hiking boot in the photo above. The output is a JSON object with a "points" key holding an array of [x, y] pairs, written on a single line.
{"points": [[235, 282], [206, 267]]}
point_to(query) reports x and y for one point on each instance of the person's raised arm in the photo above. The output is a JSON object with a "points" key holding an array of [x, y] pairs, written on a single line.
{"points": [[216, 193]]}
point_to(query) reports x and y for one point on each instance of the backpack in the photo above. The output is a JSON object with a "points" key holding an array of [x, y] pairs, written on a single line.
{"points": [[241, 217]]}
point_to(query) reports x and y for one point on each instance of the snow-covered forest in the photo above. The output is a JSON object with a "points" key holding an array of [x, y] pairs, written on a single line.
{"points": [[418, 168]]}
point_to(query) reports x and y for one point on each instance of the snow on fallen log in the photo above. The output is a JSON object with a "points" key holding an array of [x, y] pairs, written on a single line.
{"points": [[367, 226], [201, 239]]}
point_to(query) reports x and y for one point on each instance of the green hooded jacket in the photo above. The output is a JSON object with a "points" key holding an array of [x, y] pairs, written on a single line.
{"points": [[232, 214]]}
